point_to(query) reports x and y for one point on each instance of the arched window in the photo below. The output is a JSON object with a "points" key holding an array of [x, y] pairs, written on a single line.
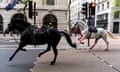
{"points": [[50, 2], [50, 20], [19, 16]]}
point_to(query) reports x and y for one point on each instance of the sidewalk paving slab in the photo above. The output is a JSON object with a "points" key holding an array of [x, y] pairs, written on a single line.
{"points": [[113, 55], [71, 61]]}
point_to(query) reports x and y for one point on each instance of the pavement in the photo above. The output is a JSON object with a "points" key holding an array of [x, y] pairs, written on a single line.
{"points": [[71, 61]]}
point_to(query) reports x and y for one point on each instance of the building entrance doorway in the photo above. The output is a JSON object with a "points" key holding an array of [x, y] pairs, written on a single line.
{"points": [[116, 27], [50, 20]]}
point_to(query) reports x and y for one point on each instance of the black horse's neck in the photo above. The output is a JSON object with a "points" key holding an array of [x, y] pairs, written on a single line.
{"points": [[20, 25]]}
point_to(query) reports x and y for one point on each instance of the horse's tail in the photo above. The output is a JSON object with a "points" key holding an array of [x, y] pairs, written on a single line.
{"points": [[67, 36], [112, 36]]}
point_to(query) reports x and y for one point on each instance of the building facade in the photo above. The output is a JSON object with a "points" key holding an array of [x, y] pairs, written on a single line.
{"points": [[76, 10], [52, 12], [108, 15]]}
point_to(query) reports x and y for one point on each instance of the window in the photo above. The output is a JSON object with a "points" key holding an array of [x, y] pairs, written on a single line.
{"points": [[116, 14], [102, 6], [19, 1], [50, 2], [106, 16], [98, 8], [108, 4]]}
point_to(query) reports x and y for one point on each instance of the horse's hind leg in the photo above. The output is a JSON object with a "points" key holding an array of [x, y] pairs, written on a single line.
{"points": [[48, 49], [96, 40], [107, 43], [55, 55], [18, 49]]}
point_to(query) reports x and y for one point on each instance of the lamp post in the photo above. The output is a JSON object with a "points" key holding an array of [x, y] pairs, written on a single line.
{"points": [[34, 13], [69, 29]]}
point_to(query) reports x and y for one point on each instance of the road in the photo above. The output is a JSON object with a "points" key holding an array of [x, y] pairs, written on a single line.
{"points": [[69, 59]]}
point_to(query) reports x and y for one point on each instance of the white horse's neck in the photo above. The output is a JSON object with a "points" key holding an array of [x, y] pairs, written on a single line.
{"points": [[83, 25]]}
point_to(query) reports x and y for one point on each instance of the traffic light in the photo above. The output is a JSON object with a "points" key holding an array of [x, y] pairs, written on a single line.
{"points": [[30, 9], [85, 9], [92, 7]]}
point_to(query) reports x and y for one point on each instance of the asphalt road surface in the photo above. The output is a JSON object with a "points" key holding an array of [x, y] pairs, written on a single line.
{"points": [[22, 62]]}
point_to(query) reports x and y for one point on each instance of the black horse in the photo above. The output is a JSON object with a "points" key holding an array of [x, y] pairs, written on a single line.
{"points": [[50, 36]]}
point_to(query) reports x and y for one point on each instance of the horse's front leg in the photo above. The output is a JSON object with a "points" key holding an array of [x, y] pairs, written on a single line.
{"points": [[81, 35], [96, 40], [55, 55], [18, 49], [81, 40]]}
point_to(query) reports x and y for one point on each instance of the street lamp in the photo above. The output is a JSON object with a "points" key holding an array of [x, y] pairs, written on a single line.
{"points": [[69, 28]]}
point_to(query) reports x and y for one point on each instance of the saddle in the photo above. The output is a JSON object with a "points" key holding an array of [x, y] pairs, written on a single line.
{"points": [[92, 29]]}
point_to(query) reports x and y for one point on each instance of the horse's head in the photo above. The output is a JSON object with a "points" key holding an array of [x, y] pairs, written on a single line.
{"points": [[75, 28], [10, 28], [17, 25], [79, 26]]}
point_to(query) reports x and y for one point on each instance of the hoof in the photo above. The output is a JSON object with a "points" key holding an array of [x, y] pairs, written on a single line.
{"points": [[39, 55], [23, 49], [10, 59], [106, 49], [81, 42], [90, 48], [52, 63]]}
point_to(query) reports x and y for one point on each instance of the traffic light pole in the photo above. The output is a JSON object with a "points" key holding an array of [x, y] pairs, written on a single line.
{"points": [[91, 16], [89, 24], [69, 28], [86, 15], [88, 20], [89, 34], [34, 13]]}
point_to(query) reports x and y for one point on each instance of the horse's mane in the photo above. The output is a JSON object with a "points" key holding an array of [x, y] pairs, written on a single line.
{"points": [[20, 24], [82, 24]]}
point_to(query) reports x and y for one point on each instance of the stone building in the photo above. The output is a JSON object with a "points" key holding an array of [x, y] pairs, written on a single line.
{"points": [[52, 12]]}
